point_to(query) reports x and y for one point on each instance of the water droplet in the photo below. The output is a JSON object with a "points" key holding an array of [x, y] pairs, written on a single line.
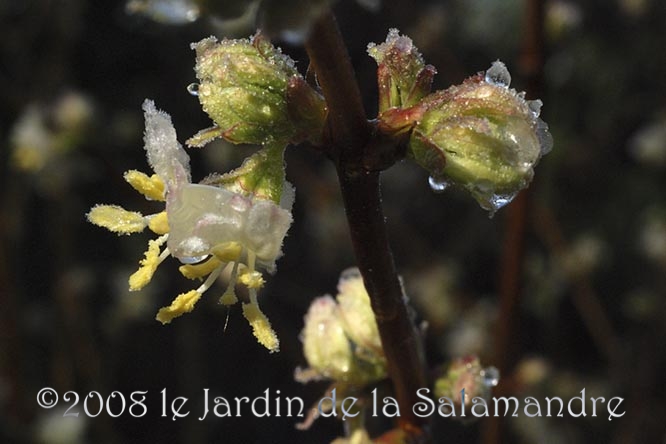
{"points": [[170, 12], [499, 200], [493, 202], [193, 259], [193, 89], [544, 136], [490, 376], [437, 185], [498, 75]]}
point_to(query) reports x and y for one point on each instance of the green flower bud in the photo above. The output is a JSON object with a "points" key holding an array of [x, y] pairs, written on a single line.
{"points": [[358, 317], [482, 136], [325, 344], [402, 75], [243, 88], [341, 340]]}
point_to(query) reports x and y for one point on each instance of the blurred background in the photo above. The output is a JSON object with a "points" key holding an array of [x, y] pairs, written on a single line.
{"points": [[563, 289]]}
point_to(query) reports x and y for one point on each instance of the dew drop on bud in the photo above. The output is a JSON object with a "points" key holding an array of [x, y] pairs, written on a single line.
{"points": [[496, 201], [437, 185], [193, 89], [490, 376], [498, 75]]}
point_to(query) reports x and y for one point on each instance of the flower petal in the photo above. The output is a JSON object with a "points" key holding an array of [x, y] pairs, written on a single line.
{"points": [[165, 155]]}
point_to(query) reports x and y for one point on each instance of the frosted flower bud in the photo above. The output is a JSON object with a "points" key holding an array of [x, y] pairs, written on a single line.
{"points": [[402, 75], [340, 339], [482, 136], [325, 344], [357, 314], [243, 87], [466, 373]]}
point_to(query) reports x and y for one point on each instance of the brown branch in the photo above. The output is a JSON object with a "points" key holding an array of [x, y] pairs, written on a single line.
{"points": [[347, 124], [349, 135]]}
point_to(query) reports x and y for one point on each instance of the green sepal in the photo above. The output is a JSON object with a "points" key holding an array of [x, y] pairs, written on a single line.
{"points": [[261, 175]]}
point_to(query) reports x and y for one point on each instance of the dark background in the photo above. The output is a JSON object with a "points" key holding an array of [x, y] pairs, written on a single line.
{"points": [[591, 311]]}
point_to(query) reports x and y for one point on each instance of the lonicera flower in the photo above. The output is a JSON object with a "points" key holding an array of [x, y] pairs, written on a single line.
{"points": [[237, 220]]}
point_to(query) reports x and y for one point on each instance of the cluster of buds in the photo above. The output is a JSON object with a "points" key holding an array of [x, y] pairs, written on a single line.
{"points": [[340, 338], [481, 135]]}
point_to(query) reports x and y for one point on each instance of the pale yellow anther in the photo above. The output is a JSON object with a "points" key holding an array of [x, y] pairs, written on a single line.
{"points": [[149, 264], [117, 219], [159, 223], [261, 327], [193, 271], [229, 297], [184, 303], [251, 279], [151, 187], [228, 251]]}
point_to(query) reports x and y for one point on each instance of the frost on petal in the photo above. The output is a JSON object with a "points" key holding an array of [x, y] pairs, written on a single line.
{"points": [[202, 217], [165, 155]]}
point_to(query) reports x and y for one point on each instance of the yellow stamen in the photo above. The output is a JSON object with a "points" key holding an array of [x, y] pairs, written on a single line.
{"points": [[228, 251], [117, 219], [184, 303], [229, 296], [159, 223], [193, 271], [261, 327], [252, 279], [149, 264], [151, 187]]}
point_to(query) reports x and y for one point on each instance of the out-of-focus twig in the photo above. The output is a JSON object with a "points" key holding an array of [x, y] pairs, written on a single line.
{"points": [[513, 252]]}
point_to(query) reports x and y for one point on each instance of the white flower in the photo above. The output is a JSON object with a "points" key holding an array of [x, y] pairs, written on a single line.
{"points": [[206, 227]]}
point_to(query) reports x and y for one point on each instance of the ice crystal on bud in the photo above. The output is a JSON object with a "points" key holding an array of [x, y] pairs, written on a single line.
{"points": [[236, 223], [498, 75]]}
